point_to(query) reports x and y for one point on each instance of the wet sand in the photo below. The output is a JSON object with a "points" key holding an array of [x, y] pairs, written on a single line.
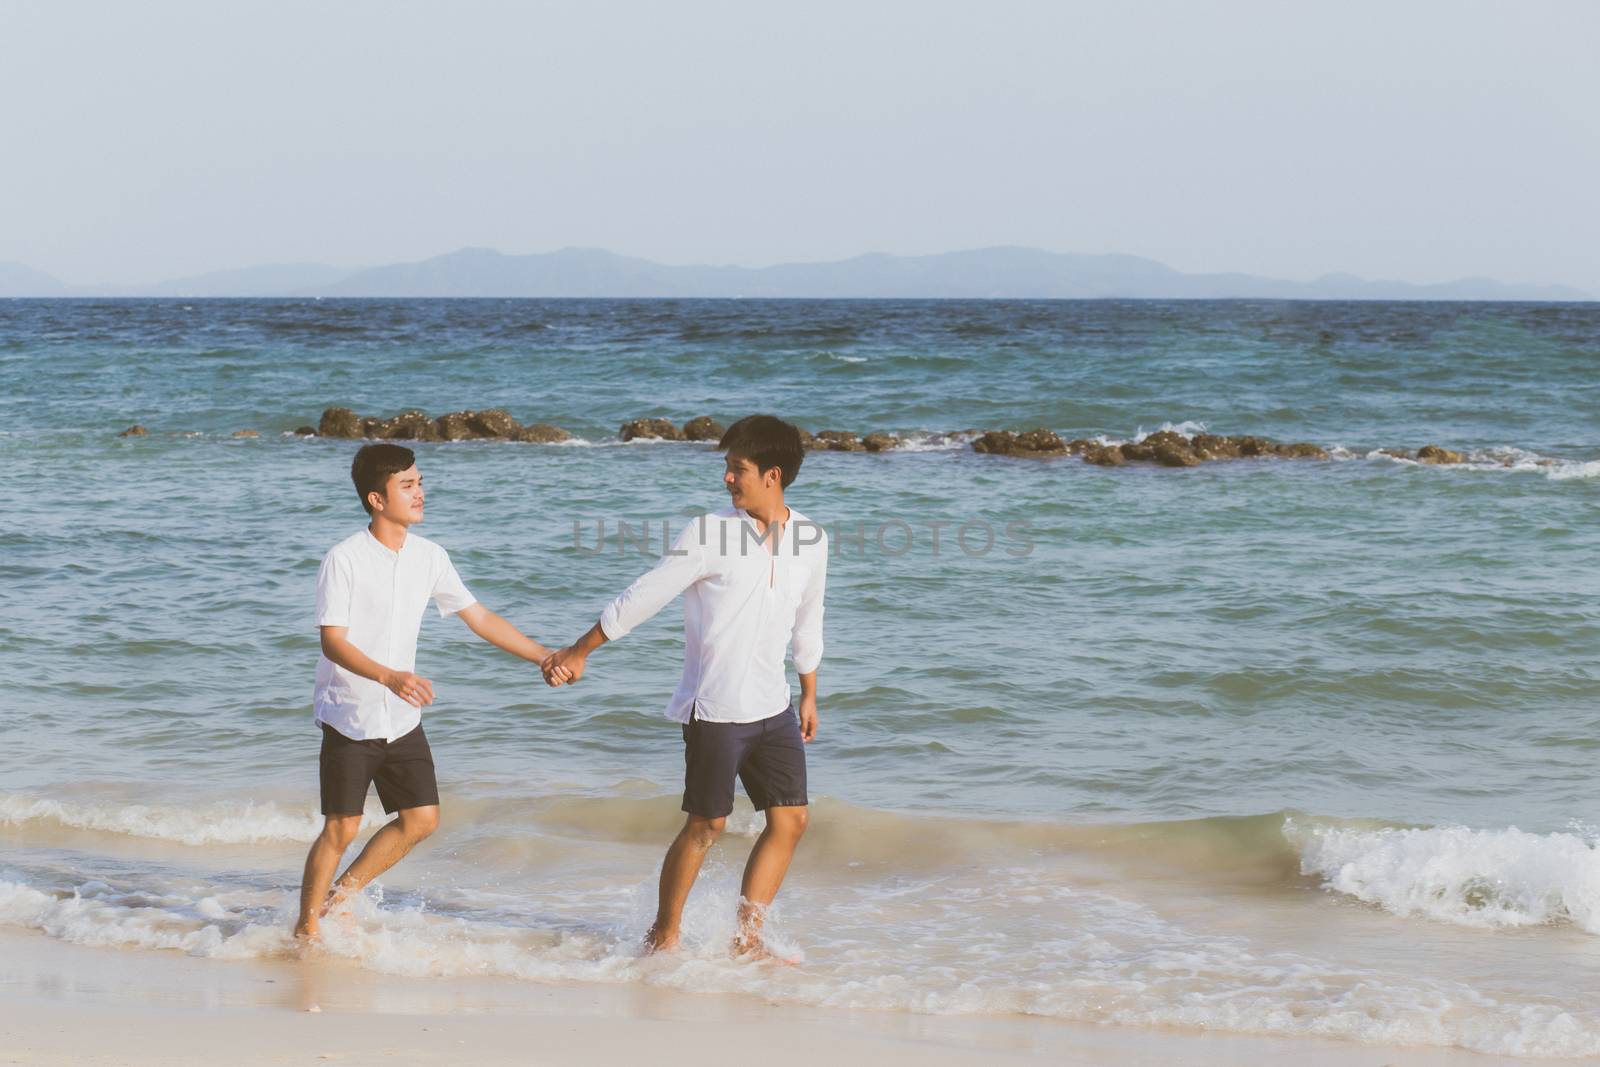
{"points": [[66, 1004]]}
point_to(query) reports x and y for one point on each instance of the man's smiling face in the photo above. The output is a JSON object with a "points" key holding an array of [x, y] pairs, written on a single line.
{"points": [[402, 497], [744, 482]]}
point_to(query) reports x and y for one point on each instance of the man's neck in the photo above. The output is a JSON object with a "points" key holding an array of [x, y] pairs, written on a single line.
{"points": [[390, 535], [767, 514]]}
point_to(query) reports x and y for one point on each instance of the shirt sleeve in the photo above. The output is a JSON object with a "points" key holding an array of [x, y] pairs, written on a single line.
{"points": [[449, 593], [335, 586], [682, 566], [807, 642]]}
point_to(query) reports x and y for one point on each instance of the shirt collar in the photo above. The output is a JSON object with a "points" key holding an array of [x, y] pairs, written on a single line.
{"points": [[381, 547], [788, 521]]}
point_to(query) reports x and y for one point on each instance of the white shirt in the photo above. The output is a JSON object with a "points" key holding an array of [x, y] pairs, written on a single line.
{"points": [[380, 596], [743, 604]]}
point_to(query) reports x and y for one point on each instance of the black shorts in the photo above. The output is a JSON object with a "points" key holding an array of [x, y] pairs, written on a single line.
{"points": [[768, 756], [403, 769]]}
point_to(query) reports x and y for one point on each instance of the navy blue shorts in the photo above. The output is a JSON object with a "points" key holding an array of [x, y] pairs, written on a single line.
{"points": [[768, 756], [403, 771]]}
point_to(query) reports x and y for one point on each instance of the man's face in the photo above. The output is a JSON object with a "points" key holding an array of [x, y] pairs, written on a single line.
{"points": [[744, 482], [402, 497]]}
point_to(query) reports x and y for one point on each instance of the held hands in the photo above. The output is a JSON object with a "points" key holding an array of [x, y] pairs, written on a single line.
{"points": [[413, 689], [564, 667]]}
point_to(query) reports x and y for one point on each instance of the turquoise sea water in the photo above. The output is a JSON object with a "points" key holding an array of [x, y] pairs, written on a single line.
{"points": [[1326, 730]]}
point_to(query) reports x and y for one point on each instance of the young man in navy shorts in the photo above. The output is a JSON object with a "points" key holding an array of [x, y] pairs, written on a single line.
{"points": [[752, 578], [372, 591]]}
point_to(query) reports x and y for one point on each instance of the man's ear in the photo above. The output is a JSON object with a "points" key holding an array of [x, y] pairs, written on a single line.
{"points": [[375, 498]]}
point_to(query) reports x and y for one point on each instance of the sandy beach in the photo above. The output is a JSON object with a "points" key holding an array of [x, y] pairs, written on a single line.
{"points": [[65, 1004]]}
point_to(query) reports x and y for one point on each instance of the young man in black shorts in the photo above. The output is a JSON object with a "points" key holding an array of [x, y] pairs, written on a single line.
{"points": [[752, 576], [372, 591]]}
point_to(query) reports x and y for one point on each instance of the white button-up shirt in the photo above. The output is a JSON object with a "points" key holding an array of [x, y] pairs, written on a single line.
{"points": [[380, 596], [743, 604]]}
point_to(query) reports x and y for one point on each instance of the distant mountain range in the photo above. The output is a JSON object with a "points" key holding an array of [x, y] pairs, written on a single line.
{"points": [[982, 273]]}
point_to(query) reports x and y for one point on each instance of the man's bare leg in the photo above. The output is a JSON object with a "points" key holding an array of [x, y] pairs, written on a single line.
{"points": [[764, 872], [678, 872], [323, 859], [388, 846]]}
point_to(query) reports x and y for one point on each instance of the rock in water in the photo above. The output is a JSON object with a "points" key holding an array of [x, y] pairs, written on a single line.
{"points": [[1209, 446], [406, 426], [493, 422], [838, 441], [134, 431], [1040, 442], [1167, 438], [542, 433], [452, 426], [1035, 443], [661, 428], [1435, 454], [1249, 445], [1176, 455], [1302, 450], [996, 443], [339, 422], [704, 428], [880, 442]]}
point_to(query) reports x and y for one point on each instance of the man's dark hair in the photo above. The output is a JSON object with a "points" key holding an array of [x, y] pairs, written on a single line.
{"points": [[373, 465], [767, 441]]}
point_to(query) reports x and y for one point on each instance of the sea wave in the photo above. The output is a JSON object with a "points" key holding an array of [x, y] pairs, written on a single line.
{"points": [[1482, 878], [1470, 877], [225, 823]]}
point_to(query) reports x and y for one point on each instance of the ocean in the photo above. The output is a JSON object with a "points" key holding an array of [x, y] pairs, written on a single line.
{"points": [[1296, 747]]}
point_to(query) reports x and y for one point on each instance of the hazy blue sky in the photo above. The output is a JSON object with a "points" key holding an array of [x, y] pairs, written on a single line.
{"points": [[1410, 139]]}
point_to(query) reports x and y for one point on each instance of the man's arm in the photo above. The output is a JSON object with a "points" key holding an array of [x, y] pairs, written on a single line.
{"points": [[502, 635], [806, 642], [808, 706], [413, 689], [682, 566]]}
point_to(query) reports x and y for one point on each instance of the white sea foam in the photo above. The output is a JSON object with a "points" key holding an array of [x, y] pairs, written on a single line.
{"points": [[1570, 469], [1504, 459], [1004, 941], [1485, 878], [617, 442], [934, 441], [216, 824], [1186, 428]]}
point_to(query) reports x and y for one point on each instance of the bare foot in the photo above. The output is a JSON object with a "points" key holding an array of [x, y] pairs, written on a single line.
{"points": [[752, 949], [337, 908], [655, 941], [307, 935], [336, 898]]}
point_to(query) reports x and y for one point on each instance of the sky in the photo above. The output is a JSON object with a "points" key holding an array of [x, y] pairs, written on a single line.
{"points": [[1419, 140]]}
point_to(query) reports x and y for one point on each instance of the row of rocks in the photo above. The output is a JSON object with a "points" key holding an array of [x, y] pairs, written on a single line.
{"points": [[1169, 448], [491, 424], [1166, 448]]}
